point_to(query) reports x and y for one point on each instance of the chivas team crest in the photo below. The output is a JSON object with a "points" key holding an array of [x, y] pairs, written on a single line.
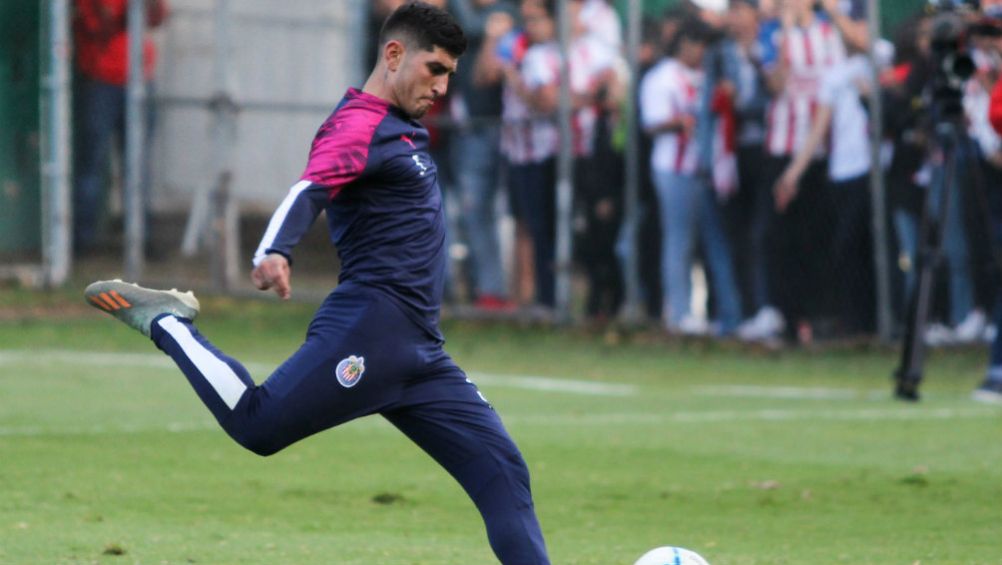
{"points": [[349, 371]]}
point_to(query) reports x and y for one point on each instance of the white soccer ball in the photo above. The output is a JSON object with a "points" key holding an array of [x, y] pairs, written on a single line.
{"points": [[671, 556]]}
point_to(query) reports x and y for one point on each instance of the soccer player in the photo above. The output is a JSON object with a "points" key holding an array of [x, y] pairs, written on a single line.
{"points": [[374, 345]]}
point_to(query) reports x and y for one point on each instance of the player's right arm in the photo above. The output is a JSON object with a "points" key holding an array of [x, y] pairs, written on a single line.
{"points": [[288, 224], [338, 157]]}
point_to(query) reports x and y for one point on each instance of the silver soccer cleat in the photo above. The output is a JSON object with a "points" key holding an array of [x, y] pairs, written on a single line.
{"points": [[137, 306]]}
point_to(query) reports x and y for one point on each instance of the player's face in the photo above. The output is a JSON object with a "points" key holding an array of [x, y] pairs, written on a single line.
{"points": [[423, 78]]}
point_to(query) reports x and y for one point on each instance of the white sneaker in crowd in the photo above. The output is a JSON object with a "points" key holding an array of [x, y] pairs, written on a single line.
{"points": [[938, 335], [767, 323], [972, 328], [691, 326]]}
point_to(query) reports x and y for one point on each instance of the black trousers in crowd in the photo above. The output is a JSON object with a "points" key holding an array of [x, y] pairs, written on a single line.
{"points": [[598, 188], [798, 244], [739, 214], [852, 251]]}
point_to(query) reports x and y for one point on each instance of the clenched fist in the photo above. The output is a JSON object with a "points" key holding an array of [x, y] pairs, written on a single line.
{"points": [[273, 272]]}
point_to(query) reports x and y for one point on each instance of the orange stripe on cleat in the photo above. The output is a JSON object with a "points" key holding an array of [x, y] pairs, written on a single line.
{"points": [[107, 300], [118, 298], [94, 300]]}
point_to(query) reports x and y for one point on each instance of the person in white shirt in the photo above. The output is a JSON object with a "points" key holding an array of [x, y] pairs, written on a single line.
{"points": [[530, 138], [798, 50], [602, 23], [983, 266], [842, 118], [597, 92], [669, 101]]}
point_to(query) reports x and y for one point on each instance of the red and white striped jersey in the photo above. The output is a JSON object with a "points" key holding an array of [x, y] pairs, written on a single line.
{"points": [[808, 52], [590, 59], [526, 135], [530, 137], [670, 90]]}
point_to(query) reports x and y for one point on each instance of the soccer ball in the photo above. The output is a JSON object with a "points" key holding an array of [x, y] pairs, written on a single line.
{"points": [[671, 556]]}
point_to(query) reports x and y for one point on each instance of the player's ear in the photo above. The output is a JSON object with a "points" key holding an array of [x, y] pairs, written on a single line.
{"points": [[393, 54]]}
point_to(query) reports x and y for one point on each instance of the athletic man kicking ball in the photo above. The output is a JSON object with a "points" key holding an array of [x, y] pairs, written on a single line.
{"points": [[374, 345]]}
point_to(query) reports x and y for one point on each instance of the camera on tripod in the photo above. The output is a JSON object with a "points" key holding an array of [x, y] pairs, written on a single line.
{"points": [[953, 24]]}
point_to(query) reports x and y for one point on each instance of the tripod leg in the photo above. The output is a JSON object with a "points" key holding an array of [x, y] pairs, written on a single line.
{"points": [[908, 376], [909, 373]]}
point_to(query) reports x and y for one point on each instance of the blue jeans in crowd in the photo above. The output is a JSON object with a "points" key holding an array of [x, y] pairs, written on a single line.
{"points": [[954, 242], [689, 207], [475, 158], [906, 227], [533, 191], [102, 110]]}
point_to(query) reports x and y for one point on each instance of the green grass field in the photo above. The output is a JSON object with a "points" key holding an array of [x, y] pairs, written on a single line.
{"points": [[748, 457]]}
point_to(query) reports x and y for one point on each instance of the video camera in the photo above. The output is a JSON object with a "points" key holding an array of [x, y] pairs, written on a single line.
{"points": [[952, 63], [953, 24]]}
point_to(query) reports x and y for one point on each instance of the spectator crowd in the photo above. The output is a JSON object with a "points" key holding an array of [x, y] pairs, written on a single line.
{"points": [[756, 159]]}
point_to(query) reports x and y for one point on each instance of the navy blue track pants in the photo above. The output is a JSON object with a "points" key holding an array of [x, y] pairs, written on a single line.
{"points": [[362, 356]]}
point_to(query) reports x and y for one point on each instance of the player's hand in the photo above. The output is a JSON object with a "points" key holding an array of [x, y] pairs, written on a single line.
{"points": [[273, 272]]}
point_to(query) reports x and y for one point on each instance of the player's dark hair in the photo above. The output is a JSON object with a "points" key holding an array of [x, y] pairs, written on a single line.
{"points": [[424, 26]]}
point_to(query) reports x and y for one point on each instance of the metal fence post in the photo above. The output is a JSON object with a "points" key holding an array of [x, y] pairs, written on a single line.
{"points": [[881, 263], [225, 204], [632, 309], [56, 203], [565, 186], [135, 134]]}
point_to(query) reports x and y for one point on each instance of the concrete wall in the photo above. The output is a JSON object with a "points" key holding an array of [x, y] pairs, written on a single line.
{"points": [[290, 64]]}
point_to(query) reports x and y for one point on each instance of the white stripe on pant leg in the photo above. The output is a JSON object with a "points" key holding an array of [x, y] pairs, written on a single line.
{"points": [[227, 384]]}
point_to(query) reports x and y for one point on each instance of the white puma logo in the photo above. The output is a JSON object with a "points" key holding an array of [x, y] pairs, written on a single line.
{"points": [[417, 161]]}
